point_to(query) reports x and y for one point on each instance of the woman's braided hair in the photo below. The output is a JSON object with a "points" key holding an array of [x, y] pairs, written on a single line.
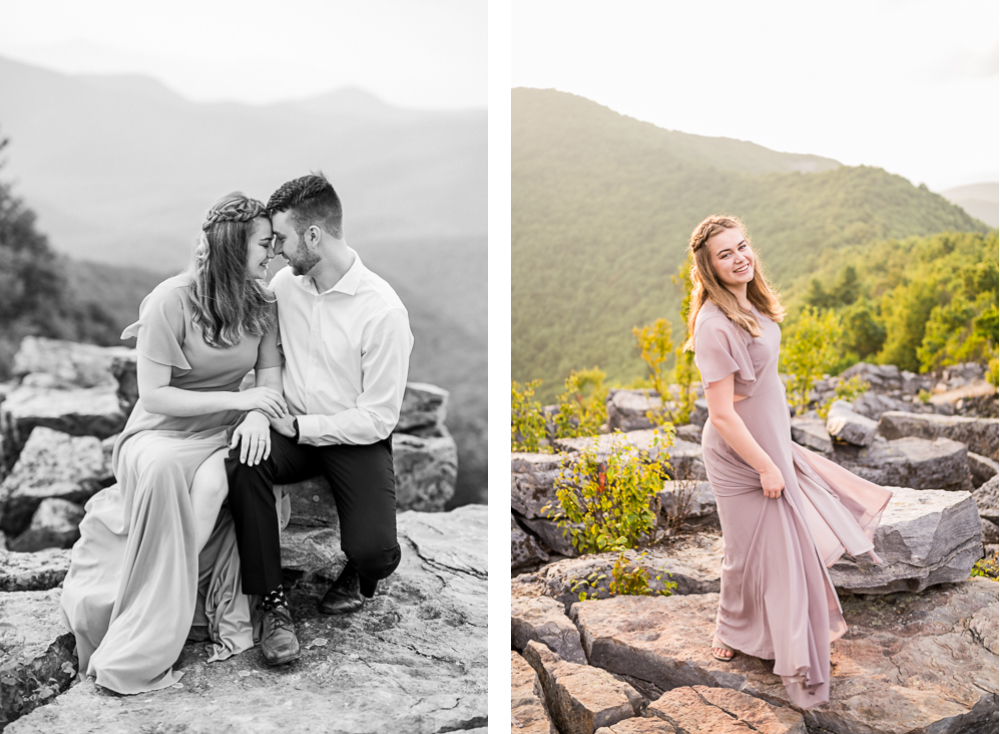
{"points": [[228, 302], [707, 287]]}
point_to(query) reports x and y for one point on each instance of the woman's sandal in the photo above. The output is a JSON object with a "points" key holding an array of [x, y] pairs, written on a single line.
{"points": [[717, 643]]}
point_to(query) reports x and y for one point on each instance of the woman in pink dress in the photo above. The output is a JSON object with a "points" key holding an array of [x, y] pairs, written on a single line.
{"points": [[157, 556], [787, 514]]}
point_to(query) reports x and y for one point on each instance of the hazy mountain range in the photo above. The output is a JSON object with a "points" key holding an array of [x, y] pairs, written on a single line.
{"points": [[120, 171], [603, 206]]}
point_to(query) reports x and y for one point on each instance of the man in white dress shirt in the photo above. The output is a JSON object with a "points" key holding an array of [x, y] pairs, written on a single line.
{"points": [[346, 340]]}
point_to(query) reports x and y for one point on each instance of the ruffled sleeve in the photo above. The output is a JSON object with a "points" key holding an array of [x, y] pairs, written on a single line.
{"points": [[161, 328], [720, 351], [268, 353]]}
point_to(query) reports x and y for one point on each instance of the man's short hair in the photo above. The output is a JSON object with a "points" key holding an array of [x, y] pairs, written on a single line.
{"points": [[309, 200]]}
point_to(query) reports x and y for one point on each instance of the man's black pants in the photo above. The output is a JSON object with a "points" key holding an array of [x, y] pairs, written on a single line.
{"points": [[364, 487]]}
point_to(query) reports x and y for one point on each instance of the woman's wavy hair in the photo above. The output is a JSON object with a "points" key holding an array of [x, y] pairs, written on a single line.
{"points": [[708, 287], [228, 302]]}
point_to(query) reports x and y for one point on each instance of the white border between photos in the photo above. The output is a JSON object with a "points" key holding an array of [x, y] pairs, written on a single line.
{"points": [[498, 279]]}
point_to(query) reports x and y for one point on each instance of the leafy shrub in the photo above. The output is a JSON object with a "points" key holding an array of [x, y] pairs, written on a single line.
{"points": [[808, 352], [583, 406], [626, 579], [611, 504], [985, 567], [527, 424], [655, 348]]}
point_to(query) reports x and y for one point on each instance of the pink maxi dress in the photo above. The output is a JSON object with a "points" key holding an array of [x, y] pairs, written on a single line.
{"points": [[777, 601]]}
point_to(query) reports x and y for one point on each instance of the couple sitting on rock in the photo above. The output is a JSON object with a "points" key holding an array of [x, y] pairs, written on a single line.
{"points": [[187, 544]]}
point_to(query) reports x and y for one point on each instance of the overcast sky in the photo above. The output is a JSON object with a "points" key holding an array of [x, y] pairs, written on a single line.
{"points": [[907, 85], [424, 54]]}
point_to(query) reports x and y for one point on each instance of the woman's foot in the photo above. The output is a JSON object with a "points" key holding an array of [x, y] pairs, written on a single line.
{"points": [[721, 651]]}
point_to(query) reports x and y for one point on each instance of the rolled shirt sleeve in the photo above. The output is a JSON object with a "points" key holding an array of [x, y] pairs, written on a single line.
{"points": [[385, 357]]}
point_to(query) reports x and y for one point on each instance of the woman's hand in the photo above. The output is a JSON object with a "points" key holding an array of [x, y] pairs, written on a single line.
{"points": [[254, 438], [267, 401], [772, 481]]}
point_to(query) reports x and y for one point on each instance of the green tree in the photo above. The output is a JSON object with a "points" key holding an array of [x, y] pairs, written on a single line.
{"points": [[527, 424], [583, 405], [808, 352]]}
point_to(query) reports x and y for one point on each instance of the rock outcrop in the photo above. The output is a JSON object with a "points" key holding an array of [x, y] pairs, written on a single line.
{"points": [[909, 663], [413, 659], [980, 435], [527, 700], [910, 462], [544, 620], [723, 711]]}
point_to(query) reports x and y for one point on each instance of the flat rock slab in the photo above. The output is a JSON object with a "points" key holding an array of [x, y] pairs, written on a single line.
{"points": [[544, 620], [91, 411], [640, 726], [527, 700], [693, 563], [581, 698], [33, 571], [413, 659], [52, 465], [910, 462], [909, 663], [926, 537], [811, 433], [703, 710], [979, 434], [423, 405], [37, 656]]}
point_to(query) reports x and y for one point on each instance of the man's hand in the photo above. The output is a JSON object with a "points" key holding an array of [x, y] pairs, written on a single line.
{"points": [[253, 436], [284, 425]]}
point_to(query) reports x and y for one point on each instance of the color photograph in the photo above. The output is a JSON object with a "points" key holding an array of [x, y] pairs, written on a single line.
{"points": [[754, 342]]}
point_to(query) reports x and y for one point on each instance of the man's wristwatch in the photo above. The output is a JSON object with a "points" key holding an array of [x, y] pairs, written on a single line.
{"points": [[295, 425]]}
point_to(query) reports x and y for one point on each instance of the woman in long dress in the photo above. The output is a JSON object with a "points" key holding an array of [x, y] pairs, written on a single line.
{"points": [[787, 514], [156, 557]]}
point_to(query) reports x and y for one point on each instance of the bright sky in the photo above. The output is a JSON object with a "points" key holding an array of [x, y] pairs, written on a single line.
{"points": [[426, 54], [907, 85]]}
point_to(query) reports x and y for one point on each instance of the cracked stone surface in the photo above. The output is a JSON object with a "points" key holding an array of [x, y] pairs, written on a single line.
{"points": [[724, 711], [908, 663], [694, 563], [52, 465], [581, 698], [413, 659], [640, 726], [926, 537], [544, 620], [527, 700], [980, 435]]}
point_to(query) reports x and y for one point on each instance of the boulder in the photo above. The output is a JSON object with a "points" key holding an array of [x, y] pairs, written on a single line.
{"points": [[986, 499], [124, 370], [551, 535], [845, 425], [90, 411], [811, 432], [312, 554], [52, 465], [693, 563], [532, 486], [909, 662], [880, 377], [413, 659], [544, 620], [581, 698], [909, 462], [689, 503], [627, 409], [71, 364], [699, 416], [978, 434], [38, 571], [525, 549], [527, 700], [991, 535], [37, 654], [426, 469], [871, 405], [723, 711], [55, 524], [689, 432], [423, 405], [982, 469], [926, 537]]}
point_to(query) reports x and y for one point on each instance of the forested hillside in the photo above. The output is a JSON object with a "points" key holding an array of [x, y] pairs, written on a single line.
{"points": [[602, 207]]}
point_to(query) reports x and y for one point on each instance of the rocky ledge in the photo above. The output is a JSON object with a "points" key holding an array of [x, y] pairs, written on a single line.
{"points": [[413, 659]]}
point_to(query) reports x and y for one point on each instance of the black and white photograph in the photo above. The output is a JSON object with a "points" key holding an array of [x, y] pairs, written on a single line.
{"points": [[753, 355], [243, 366]]}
